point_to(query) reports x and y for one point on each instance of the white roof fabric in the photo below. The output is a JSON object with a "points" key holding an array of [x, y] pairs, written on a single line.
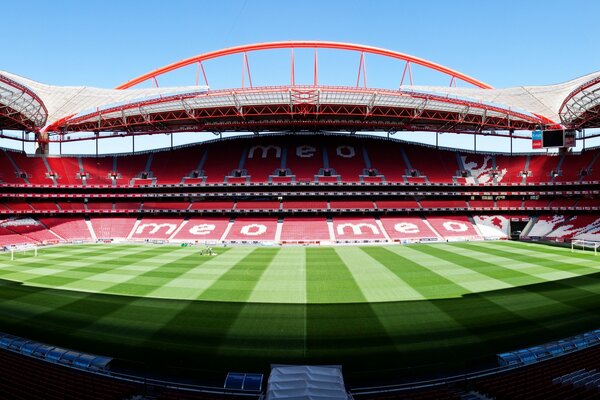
{"points": [[306, 383], [64, 101], [540, 100]]}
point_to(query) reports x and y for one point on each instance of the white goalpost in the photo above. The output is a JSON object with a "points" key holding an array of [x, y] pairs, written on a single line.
{"points": [[585, 244], [26, 250]]}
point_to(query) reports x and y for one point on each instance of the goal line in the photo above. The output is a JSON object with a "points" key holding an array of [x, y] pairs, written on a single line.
{"points": [[26, 250], [585, 244]]}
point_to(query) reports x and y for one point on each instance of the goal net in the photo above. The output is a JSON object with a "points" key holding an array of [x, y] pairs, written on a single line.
{"points": [[23, 251], [585, 245]]}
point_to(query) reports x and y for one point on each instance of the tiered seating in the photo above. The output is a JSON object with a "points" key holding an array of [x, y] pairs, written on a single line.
{"points": [[574, 226], [439, 166], [546, 224], [262, 159], [492, 226], [75, 205], [454, 227], [397, 204], [44, 206], [479, 168], [32, 230], [588, 203], [97, 205], [98, 170], [305, 229], [541, 167], [130, 166], [202, 229], [443, 203], [23, 378], [346, 158], [19, 206], [65, 170], [70, 229], [7, 170], [169, 167], [112, 228], [304, 160], [156, 228], [351, 204], [536, 203], [257, 205], [481, 204], [407, 228], [253, 229], [35, 168], [211, 205], [386, 158], [165, 205], [512, 203], [304, 205], [9, 237], [536, 381], [128, 206], [222, 158], [573, 165], [558, 202], [509, 168], [357, 229]]}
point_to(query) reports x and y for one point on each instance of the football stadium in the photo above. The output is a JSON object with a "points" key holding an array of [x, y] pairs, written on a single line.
{"points": [[305, 250]]}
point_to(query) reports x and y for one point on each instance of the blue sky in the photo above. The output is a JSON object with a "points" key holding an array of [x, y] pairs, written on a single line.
{"points": [[104, 43]]}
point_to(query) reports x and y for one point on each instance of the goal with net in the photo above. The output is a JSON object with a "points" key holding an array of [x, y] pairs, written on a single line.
{"points": [[23, 251], [585, 245]]}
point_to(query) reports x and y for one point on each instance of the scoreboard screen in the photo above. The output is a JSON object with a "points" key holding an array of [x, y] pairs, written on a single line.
{"points": [[553, 138]]}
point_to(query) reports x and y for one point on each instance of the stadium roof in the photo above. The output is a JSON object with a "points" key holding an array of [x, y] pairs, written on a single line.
{"points": [[34, 106]]}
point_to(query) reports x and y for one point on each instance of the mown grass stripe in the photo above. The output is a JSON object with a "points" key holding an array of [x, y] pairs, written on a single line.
{"points": [[427, 283], [577, 263], [284, 280], [524, 264], [495, 271], [238, 283], [471, 280], [160, 275], [328, 280], [102, 273]]}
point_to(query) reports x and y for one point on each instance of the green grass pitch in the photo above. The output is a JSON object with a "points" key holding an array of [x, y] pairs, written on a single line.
{"points": [[405, 310]]}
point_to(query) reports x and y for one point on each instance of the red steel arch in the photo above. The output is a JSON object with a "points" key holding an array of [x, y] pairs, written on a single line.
{"points": [[303, 44]]}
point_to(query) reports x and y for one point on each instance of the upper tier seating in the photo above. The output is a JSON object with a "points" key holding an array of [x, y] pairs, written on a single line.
{"points": [[304, 205], [351, 204], [257, 205], [165, 205], [301, 158], [397, 204], [443, 204], [578, 167], [262, 159], [169, 167], [439, 166]]}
